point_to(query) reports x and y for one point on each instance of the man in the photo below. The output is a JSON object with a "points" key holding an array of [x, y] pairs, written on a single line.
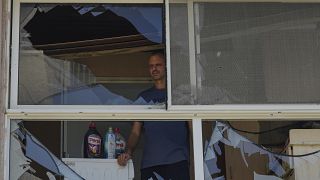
{"points": [[166, 146]]}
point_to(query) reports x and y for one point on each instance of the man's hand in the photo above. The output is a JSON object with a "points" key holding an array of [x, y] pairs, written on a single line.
{"points": [[123, 159], [132, 142]]}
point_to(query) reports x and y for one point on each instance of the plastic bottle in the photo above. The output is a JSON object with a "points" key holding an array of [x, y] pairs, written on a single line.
{"points": [[92, 143], [110, 144], [120, 143]]}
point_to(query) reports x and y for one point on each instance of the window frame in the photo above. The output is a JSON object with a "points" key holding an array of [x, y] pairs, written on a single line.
{"points": [[130, 113]]}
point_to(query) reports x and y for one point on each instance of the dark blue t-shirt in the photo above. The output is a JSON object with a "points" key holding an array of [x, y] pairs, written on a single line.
{"points": [[154, 95], [164, 142]]}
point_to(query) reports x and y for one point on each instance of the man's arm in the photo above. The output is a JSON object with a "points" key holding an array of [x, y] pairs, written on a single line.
{"points": [[131, 144], [134, 137]]}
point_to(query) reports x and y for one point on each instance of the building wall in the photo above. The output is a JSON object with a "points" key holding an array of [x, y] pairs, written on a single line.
{"points": [[4, 15]]}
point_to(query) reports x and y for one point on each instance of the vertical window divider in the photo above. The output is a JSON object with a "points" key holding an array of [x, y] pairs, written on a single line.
{"points": [[168, 50], [192, 53], [15, 54], [197, 46], [6, 153], [197, 148]]}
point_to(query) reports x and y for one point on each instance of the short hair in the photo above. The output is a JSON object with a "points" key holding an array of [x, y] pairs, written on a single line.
{"points": [[159, 54]]}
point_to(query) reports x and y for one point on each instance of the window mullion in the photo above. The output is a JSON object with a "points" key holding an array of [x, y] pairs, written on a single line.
{"points": [[192, 53], [197, 148]]}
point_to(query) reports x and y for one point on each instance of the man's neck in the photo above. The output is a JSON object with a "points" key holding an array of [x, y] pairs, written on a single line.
{"points": [[160, 84]]}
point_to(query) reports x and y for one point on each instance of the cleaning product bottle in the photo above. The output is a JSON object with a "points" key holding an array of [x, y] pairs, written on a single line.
{"points": [[92, 143], [120, 142], [110, 144]]}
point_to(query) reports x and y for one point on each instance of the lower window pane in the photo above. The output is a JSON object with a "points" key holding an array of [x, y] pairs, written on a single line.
{"points": [[88, 149], [261, 150]]}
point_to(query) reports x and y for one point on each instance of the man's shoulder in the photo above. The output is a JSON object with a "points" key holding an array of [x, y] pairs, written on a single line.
{"points": [[151, 89], [146, 92], [153, 94]]}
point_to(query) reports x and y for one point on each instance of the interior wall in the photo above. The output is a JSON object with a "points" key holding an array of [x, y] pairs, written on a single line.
{"points": [[75, 132], [231, 163], [39, 85], [118, 65], [235, 166], [48, 133]]}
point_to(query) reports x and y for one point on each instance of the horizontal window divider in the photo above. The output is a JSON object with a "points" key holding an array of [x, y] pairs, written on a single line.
{"points": [[246, 107], [153, 114], [120, 80], [92, 2]]}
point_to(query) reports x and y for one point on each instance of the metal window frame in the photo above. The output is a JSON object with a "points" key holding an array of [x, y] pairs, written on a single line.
{"points": [[174, 112], [6, 152], [91, 2]]}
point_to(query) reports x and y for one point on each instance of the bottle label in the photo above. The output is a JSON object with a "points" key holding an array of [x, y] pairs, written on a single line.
{"points": [[110, 146], [120, 147], [94, 145]]}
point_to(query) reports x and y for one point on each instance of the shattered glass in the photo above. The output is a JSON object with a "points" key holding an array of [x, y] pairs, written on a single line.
{"points": [[27, 149], [255, 161], [63, 63]]}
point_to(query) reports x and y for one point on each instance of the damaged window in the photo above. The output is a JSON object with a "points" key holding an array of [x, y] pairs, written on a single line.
{"points": [[245, 53], [59, 154], [87, 54], [42, 149], [30, 159], [260, 150]]}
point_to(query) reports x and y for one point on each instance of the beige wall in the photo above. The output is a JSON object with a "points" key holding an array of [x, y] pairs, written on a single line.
{"points": [[3, 80]]}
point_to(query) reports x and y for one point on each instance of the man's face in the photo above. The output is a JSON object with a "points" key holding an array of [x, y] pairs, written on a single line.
{"points": [[157, 67]]}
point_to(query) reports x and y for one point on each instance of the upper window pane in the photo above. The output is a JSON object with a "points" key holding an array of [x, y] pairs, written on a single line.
{"points": [[251, 53], [87, 54]]}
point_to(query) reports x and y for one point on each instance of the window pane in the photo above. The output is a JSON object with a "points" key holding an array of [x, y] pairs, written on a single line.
{"points": [[39, 149], [260, 150], [87, 54], [179, 51], [254, 53]]}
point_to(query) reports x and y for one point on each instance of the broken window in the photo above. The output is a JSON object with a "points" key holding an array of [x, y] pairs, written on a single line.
{"points": [[41, 149], [87, 54], [259, 150]]}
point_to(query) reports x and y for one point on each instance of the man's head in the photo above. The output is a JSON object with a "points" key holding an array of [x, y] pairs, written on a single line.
{"points": [[157, 67]]}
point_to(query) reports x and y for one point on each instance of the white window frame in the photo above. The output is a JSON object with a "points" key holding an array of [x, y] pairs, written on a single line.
{"points": [[130, 113], [269, 110], [6, 151]]}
